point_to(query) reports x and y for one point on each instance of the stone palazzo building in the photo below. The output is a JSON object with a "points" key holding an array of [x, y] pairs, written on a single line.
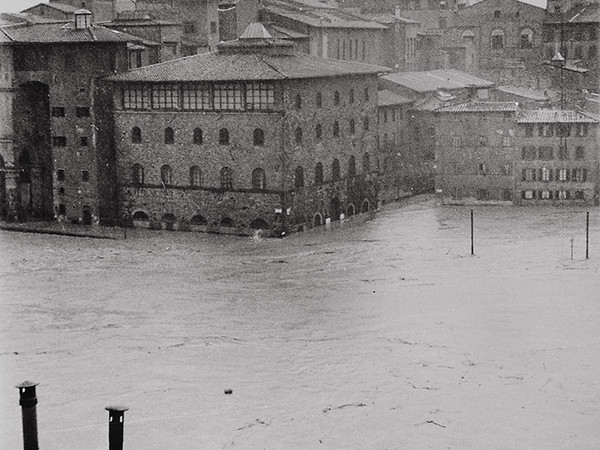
{"points": [[252, 136]]}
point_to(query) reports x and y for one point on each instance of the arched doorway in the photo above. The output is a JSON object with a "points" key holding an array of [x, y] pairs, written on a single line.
{"points": [[335, 208], [317, 220], [259, 224]]}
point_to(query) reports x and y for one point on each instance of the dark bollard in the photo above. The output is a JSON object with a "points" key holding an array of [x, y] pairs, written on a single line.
{"points": [[28, 402], [115, 426]]}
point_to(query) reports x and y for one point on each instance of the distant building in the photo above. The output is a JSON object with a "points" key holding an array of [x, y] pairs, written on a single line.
{"points": [[54, 11], [475, 149], [55, 123], [558, 160], [573, 30], [332, 33], [495, 153], [253, 136]]}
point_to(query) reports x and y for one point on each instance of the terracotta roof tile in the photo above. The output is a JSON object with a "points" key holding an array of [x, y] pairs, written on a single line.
{"points": [[554, 116], [480, 107], [437, 79]]}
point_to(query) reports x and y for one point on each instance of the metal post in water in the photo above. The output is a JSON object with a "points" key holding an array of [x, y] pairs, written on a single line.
{"points": [[472, 248], [115, 426], [28, 402], [587, 235]]}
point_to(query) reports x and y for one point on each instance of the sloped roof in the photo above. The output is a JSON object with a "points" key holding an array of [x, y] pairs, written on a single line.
{"points": [[524, 92], [58, 6], [15, 18], [326, 18], [482, 2], [554, 116], [386, 97], [480, 107], [587, 13], [437, 79], [62, 32], [216, 66], [255, 31], [284, 33], [386, 19]]}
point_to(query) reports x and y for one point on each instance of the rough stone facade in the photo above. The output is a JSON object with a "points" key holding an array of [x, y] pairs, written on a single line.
{"points": [[290, 196]]}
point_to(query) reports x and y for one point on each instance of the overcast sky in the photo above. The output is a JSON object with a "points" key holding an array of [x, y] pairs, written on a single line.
{"points": [[20, 5]]}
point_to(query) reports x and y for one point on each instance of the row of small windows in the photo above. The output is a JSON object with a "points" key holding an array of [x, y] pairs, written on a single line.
{"points": [[552, 195], [562, 175], [558, 129], [497, 38], [578, 52], [547, 153], [336, 98], [258, 178], [60, 176], [224, 137], [235, 96], [61, 141], [169, 219]]}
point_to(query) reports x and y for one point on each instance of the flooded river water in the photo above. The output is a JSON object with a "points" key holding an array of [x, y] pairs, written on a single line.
{"points": [[385, 334]]}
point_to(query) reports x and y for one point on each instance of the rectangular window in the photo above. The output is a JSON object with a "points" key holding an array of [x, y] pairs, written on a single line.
{"points": [[83, 141], [165, 96], [506, 195], [85, 175], [528, 175], [60, 175], [228, 96], [528, 194], [506, 169], [189, 27], [562, 175], [260, 96], [457, 141], [82, 111], [58, 111], [213, 27], [59, 141], [545, 195], [482, 194], [528, 130], [505, 141], [529, 153], [579, 175], [563, 130], [563, 195], [579, 195], [482, 169], [196, 96], [545, 174], [546, 153], [546, 129], [563, 152], [581, 129], [136, 96]]}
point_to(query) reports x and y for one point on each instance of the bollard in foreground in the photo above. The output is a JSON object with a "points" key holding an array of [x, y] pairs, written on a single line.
{"points": [[28, 402], [115, 426]]}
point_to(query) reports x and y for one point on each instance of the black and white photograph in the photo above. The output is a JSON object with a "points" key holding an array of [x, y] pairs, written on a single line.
{"points": [[299, 224]]}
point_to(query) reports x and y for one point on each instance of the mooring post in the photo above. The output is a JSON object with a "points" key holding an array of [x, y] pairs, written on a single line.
{"points": [[28, 402], [115, 426], [472, 248], [587, 235]]}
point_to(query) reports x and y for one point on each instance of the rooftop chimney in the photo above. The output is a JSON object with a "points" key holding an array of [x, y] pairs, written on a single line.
{"points": [[83, 19]]}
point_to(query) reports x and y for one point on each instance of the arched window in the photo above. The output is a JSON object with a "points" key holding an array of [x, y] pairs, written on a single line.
{"points": [[195, 176], [352, 126], [198, 136], [336, 129], [258, 179], [526, 38], [351, 96], [166, 176], [319, 173], [226, 222], [137, 174], [335, 170], [198, 219], [351, 167], [319, 100], [366, 124], [298, 102], [140, 215], [298, 135], [336, 98], [226, 178], [259, 137], [136, 135], [497, 39], [299, 177], [366, 163], [169, 135], [318, 132], [224, 136], [259, 224]]}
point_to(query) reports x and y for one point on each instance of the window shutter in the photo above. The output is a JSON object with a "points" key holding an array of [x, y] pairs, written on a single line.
{"points": [[549, 174], [523, 195], [557, 175], [568, 175], [584, 179], [540, 174], [524, 177]]}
